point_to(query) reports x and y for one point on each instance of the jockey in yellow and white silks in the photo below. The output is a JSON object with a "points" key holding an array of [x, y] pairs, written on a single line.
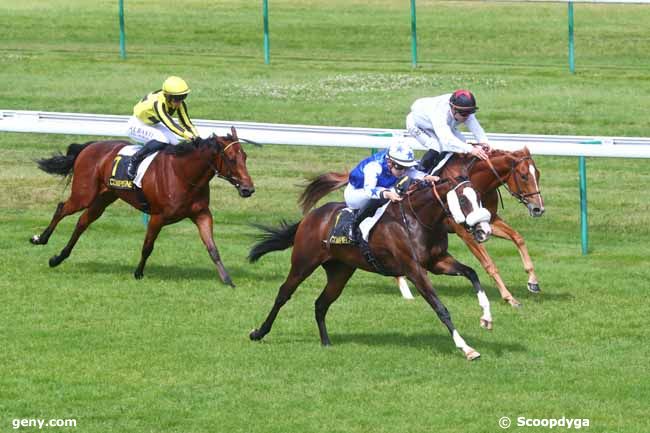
{"points": [[153, 123], [434, 123]]}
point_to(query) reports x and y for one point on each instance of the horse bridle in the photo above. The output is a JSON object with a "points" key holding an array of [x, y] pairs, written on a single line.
{"points": [[519, 195], [222, 152]]}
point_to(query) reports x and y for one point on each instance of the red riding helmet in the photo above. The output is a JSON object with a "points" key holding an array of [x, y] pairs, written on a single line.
{"points": [[463, 101]]}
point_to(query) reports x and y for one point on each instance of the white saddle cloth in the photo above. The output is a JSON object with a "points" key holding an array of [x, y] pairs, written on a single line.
{"points": [[144, 165]]}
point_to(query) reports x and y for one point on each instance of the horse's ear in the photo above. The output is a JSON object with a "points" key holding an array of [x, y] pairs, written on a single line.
{"points": [[233, 131]]}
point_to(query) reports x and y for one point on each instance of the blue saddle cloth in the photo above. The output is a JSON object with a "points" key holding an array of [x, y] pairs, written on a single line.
{"points": [[341, 231], [119, 178]]}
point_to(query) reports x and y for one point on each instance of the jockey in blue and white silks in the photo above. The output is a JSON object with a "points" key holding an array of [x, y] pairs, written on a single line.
{"points": [[371, 182]]}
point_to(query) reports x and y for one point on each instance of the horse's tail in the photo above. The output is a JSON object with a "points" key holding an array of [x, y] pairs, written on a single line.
{"points": [[320, 186], [273, 239], [60, 164]]}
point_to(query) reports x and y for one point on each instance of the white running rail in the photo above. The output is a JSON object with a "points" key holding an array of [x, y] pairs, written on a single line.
{"points": [[267, 133]]}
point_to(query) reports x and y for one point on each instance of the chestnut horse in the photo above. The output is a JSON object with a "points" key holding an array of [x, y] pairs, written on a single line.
{"points": [[409, 239], [515, 170], [175, 186]]}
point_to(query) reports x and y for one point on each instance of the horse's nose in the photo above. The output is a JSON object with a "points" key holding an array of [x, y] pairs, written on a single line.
{"points": [[482, 232], [246, 191], [536, 211]]}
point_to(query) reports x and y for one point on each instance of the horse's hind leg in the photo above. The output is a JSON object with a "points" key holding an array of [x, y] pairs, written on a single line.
{"points": [[448, 265], [338, 275], [301, 268], [153, 229], [63, 209], [83, 193], [488, 264], [95, 210]]}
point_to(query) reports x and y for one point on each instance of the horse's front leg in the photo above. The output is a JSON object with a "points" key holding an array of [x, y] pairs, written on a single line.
{"points": [[153, 229], [203, 221], [486, 261], [446, 264], [503, 230], [421, 280]]}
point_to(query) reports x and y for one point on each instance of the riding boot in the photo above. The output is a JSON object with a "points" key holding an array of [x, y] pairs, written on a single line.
{"points": [[429, 160], [366, 211], [146, 150]]}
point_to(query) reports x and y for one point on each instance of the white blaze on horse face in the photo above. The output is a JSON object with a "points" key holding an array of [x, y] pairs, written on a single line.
{"points": [[454, 207], [531, 168]]}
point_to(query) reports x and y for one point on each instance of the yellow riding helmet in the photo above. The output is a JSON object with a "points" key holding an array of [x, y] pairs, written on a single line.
{"points": [[175, 86]]}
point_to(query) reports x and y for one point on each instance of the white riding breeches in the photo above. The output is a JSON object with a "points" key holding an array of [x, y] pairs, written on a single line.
{"points": [[426, 136], [141, 132], [355, 198]]}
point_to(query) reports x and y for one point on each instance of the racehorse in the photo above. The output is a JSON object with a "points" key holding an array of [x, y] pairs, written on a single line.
{"points": [[175, 186], [409, 239], [515, 170]]}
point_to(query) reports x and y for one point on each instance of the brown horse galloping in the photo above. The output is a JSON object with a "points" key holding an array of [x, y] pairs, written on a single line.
{"points": [[409, 239], [516, 171], [176, 186]]}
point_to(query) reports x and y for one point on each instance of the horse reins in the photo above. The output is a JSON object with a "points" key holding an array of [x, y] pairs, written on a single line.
{"points": [[436, 195]]}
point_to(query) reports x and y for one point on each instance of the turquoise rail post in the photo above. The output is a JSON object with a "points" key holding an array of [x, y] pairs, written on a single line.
{"points": [[584, 233], [122, 35], [572, 63], [414, 38], [267, 54]]}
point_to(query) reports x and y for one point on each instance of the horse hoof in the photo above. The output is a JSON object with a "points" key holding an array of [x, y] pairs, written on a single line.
{"points": [[55, 261], [255, 335], [35, 240], [514, 303], [534, 288], [472, 354], [486, 324], [138, 275]]}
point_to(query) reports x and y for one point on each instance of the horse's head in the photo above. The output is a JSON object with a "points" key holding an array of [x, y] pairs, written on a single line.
{"points": [[230, 163], [462, 200], [523, 181]]}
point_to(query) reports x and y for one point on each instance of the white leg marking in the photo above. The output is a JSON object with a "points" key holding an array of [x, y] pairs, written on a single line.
{"points": [[404, 288], [484, 302]]}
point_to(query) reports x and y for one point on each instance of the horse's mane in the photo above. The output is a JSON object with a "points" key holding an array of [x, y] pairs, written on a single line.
{"points": [[186, 147], [495, 153]]}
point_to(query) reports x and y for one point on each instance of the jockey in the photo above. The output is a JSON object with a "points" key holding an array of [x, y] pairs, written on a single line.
{"points": [[371, 183], [152, 122], [434, 122]]}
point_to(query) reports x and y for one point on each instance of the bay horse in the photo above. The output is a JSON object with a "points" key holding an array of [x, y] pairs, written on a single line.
{"points": [[409, 239], [515, 170], [175, 186]]}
